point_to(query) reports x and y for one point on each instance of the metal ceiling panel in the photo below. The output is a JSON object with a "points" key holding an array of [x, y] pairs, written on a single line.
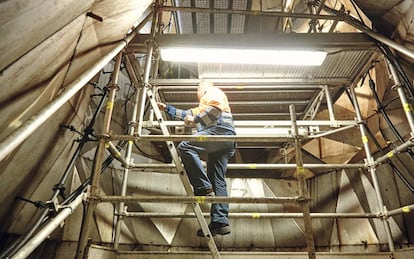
{"points": [[339, 67], [211, 23], [253, 102], [347, 58]]}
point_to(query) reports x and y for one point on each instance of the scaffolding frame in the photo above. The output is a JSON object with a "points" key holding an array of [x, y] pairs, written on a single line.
{"points": [[371, 165], [135, 134], [15, 139]]}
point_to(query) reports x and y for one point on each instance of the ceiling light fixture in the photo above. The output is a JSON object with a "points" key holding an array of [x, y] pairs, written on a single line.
{"points": [[243, 56]]}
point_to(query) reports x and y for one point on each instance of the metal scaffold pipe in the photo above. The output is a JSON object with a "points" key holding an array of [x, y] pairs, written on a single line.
{"points": [[138, 101], [202, 138], [329, 104], [261, 123], [371, 164], [116, 154], [266, 215], [402, 210], [29, 126], [407, 107], [98, 159], [253, 166], [303, 192], [375, 35], [392, 153], [46, 230], [195, 199], [252, 215]]}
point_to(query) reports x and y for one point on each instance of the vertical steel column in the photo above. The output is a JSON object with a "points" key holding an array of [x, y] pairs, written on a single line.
{"points": [[147, 70], [98, 159], [139, 99], [329, 103], [174, 154], [303, 192], [128, 153], [406, 106], [45, 232], [371, 167]]}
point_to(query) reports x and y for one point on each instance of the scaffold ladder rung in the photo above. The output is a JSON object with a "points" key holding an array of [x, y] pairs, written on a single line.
{"points": [[183, 176]]}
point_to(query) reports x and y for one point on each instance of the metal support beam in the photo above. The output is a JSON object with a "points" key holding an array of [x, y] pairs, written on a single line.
{"points": [[46, 230], [313, 107], [329, 103], [358, 25], [371, 168], [266, 123], [116, 154], [407, 107], [255, 215], [195, 199], [267, 215], [29, 126], [97, 163], [139, 99], [251, 83], [393, 152], [402, 210], [303, 192], [217, 138], [254, 166], [176, 159]]}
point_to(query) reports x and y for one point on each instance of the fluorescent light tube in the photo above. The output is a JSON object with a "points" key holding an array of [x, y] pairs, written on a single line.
{"points": [[243, 56]]}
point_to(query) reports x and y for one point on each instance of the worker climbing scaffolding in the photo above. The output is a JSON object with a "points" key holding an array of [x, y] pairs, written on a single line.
{"points": [[213, 117]]}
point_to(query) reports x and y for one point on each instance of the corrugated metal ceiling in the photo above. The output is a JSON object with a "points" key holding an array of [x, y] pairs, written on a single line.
{"points": [[338, 67], [341, 67]]}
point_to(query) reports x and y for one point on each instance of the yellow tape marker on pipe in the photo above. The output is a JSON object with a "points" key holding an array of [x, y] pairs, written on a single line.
{"points": [[109, 105], [201, 199], [300, 170], [364, 139], [405, 209], [390, 154], [252, 166], [255, 215], [407, 107], [201, 138]]}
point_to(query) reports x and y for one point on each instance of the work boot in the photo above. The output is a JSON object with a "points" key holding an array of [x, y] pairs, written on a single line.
{"points": [[216, 229]]}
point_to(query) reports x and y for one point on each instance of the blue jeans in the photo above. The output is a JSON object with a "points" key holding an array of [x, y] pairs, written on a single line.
{"points": [[218, 154]]}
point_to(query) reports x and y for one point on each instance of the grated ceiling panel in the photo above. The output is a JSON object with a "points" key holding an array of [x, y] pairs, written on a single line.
{"points": [[237, 20], [184, 20], [221, 23]]}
